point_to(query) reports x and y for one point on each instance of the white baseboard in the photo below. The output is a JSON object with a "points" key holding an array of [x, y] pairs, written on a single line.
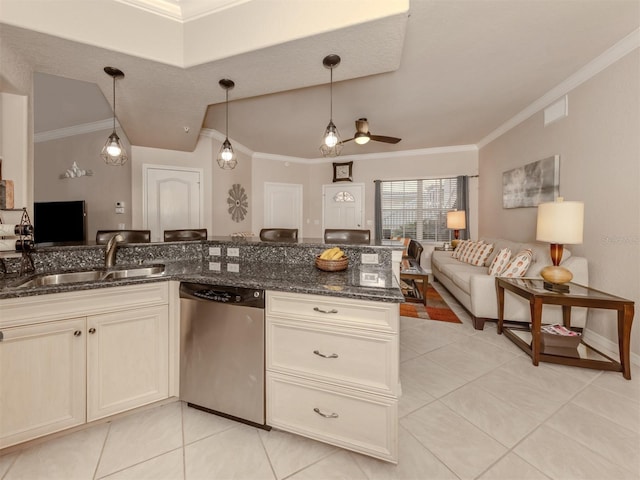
{"points": [[608, 347]]}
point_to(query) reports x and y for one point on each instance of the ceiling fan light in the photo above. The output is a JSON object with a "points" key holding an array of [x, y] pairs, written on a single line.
{"points": [[362, 138]]}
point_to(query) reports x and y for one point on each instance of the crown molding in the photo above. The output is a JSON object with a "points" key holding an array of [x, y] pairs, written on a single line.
{"points": [[216, 135], [591, 69], [182, 12], [74, 130]]}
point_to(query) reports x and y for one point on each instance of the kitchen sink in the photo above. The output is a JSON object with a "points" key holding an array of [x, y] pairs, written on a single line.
{"points": [[91, 276], [135, 272]]}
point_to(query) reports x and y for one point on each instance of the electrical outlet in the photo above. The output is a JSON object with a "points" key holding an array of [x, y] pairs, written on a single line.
{"points": [[214, 251], [233, 252], [214, 266], [369, 258], [233, 267]]}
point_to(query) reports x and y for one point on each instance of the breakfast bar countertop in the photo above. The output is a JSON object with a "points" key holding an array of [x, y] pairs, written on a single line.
{"points": [[359, 282]]}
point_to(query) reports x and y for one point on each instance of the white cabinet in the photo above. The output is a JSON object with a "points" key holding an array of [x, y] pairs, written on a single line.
{"points": [[57, 371], [127, 360], [332, 371], [42, 379]]}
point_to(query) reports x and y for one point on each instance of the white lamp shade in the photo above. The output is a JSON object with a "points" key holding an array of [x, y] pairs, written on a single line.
{"points": [[456, 220], [560, 222]]}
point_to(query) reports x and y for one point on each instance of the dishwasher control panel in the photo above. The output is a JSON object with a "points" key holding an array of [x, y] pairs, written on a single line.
{"points": [[231, 295]]}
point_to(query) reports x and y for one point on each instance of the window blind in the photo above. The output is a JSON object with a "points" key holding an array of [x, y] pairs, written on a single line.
{"points": [[417, 208]]}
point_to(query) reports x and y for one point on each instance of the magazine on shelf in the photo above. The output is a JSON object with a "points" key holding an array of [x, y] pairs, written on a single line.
{"points": [[561, 330]]}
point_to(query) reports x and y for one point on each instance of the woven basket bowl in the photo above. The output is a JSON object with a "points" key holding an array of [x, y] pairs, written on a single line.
{"points": [[332, 265]]}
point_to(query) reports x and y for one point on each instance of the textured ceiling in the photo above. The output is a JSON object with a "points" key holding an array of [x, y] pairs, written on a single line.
{"points": [[465, 68]]}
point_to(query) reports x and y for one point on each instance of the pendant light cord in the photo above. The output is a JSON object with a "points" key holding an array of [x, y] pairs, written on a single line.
{"points": [[331, 96], [114, 103], [227, 113]]}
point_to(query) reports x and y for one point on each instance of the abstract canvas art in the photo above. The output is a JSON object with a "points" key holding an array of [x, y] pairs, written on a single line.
{"points": [[532, 184]]}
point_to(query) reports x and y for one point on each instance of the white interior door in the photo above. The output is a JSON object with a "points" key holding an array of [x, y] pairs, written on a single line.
{"points": [[342, 206], [172, 199], [283, 206]]}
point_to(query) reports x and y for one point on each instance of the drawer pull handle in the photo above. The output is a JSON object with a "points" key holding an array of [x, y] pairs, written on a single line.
{"points": [[333, 310], [333, 355], [77, 333], [325, 415]]}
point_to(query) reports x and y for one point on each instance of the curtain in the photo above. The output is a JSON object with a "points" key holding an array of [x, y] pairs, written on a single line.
{"points": [[462, 203], [378, 211]]}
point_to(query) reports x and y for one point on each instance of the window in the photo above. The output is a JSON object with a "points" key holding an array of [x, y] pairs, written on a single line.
{"points": [[418, 208]]}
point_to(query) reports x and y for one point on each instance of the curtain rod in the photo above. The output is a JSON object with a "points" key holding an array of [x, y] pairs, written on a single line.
{"points": [[434, 178]]}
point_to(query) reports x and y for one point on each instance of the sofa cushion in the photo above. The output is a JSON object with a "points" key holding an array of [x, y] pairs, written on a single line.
{"points": [[500, 262], [519, 264]]}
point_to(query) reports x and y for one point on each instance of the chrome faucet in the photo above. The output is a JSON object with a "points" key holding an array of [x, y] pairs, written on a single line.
{"points": [[110, 251]]}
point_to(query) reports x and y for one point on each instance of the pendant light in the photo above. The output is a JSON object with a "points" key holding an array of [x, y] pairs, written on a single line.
{"points": [[226, 156], [113, 153], [331, 141]]}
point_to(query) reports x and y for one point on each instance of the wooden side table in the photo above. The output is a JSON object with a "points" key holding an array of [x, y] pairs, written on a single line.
{"points": [[578, 296]]}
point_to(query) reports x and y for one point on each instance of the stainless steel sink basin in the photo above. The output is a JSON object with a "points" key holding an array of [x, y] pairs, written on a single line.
{"points": [[91, 276], [136, 272]]}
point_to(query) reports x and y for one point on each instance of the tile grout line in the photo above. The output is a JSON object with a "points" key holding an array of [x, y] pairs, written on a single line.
{"points": [[184, 450], [19, 452], [266, 453], [104, 444]]}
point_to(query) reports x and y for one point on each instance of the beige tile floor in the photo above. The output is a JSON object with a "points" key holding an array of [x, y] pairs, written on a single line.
{"points": [[473, 407]]}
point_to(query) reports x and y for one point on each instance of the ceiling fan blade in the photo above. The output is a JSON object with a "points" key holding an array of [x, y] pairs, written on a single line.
{"points": [[382, 138], [348, 140]]}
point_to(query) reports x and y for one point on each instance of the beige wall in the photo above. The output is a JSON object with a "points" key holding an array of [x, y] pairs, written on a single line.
{"points": [[100, 191], [599, 150], [436, 163], [16, 148], [216, 185]]}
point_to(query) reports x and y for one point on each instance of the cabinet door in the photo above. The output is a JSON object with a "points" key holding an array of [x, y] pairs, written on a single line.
{"points": [[42, 379], [127, 360]]}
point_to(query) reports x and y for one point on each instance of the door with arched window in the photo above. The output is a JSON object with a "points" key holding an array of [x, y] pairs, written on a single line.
{"points": [[343, 206]]}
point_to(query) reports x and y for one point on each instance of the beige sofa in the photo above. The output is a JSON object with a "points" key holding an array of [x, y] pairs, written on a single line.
{"points": [[476, 290]]}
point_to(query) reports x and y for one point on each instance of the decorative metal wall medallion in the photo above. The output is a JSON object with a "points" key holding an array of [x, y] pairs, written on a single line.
{"points": [[238, 202]]}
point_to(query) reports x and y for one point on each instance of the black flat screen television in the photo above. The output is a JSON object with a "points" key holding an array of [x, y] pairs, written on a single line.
{"points": [[60, 222]]}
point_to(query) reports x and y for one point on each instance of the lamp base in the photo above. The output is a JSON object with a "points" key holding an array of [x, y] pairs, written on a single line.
{"points": [[454, 243], [553, 274], [556, 287]]}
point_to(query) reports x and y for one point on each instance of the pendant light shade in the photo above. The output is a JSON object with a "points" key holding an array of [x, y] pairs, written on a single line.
{"points": [[331, 141], [226, 156], [113, 153]]}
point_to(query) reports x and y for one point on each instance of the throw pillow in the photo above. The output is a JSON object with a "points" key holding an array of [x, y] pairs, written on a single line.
{"points": [[500, 262], [461, 249], [519, 264], [470, 252], [480, 254]]}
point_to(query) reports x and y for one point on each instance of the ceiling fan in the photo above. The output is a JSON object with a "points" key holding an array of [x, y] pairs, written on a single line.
{"points": [[363, 135]]}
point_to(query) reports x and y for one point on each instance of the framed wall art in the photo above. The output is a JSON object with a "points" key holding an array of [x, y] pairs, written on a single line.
{"points": [[532, 184]]}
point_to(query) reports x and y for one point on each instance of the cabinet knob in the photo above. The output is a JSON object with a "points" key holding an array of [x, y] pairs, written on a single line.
{"points": [[92, 330], [325, 415], [77, 333], [333, 355], [333, 310]]}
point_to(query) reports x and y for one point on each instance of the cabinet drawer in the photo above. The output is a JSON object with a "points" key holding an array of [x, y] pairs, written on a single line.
{"points": [[342, 356], [349, 419], [334, 311], [56, 306]]}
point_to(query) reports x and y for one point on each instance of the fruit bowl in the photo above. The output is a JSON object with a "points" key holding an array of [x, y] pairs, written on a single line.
{"points": [[332, 265]]}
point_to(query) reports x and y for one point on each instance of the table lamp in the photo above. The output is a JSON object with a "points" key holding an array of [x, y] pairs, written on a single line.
{"points": [[456, 221], [559, 223]]}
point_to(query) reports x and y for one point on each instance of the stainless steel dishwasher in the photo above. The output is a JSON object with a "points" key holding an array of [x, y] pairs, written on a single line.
{"points": [[222, 351]]}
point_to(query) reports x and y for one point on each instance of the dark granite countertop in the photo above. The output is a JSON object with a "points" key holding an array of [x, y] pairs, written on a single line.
{"points": [[362, 282]]}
